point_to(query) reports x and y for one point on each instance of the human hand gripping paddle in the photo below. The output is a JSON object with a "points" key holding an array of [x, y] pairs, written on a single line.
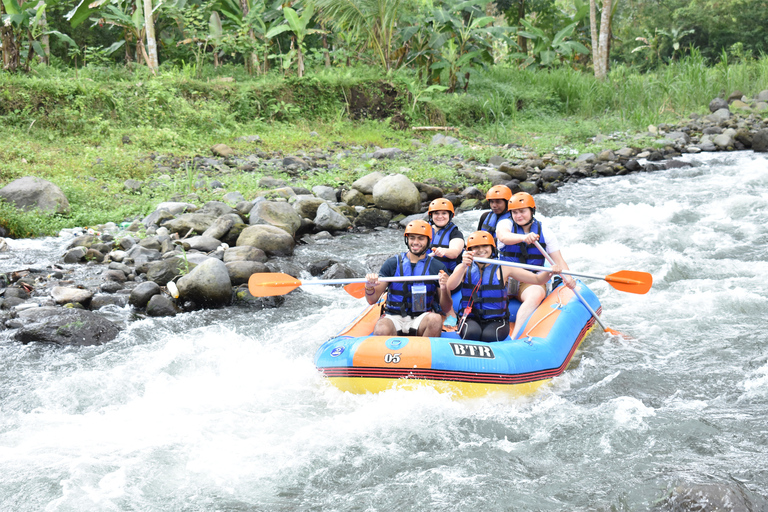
{"points": [[625, 280], [270, 284]]}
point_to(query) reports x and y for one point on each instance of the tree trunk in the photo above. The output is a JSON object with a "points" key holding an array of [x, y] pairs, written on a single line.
{"points": [[326, 53], [605, 38], [10, 51], [149, 26], [45, 40], [600, 37], [521, 41]]}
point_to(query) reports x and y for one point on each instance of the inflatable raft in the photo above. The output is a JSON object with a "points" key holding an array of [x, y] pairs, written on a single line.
{"points": [[358, 362]]}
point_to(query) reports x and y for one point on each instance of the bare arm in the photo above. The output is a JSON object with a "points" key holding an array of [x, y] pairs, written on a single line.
{"points": [[374, 288], [459, 271], [446, 302], [560, 261]]}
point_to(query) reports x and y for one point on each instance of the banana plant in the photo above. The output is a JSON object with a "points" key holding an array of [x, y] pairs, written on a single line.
{"points": [[27, 22], [548, 50], [299, 25]]}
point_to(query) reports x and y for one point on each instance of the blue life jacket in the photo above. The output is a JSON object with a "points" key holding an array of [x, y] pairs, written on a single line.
{"points": [[490, 298], [522, 252], [442, 238], [399, 293], [491, 220]]}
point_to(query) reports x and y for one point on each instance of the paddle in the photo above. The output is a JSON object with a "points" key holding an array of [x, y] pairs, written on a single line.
{"points": [[625, 280], [583, 301], [270, 284]]}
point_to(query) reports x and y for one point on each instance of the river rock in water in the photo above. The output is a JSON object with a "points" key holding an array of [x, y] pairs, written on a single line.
{"points": [[207, 284], [65, 326]]}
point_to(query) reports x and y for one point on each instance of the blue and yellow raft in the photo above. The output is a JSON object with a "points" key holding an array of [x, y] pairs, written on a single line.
{"points": [[358, 362]]}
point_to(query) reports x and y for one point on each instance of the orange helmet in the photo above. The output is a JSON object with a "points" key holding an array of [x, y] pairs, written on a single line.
{"points": [[480, 238], [418, 227], [522, 200], [439, 205], [499, 192]]}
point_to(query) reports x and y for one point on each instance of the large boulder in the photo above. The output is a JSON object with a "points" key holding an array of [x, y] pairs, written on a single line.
{"points": [[70, 294], [276, 213], [222, 225], [244, 253], [330, 219], [64, 326], [195, 223], [208, 284], [31, 193], [270, 239], [241, 271], [366, 183], [760, 141], [306, 206], [398, 194]]}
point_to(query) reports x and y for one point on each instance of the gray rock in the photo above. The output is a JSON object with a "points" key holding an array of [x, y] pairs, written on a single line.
{"points": [[497, 177], [101, 300], [339, 271], [270, 239], [217, 209], [330, 219], [496, 160], [295, 160], [398, 194], [606, 156], [75, 255], [760, 141], [278, 214], [551, 174], [201, 243], [431, 192], [222, 150], [190, 223], [723, 141], [241, 271], [373, 218], [719, 116], [160, 305], [515, 172], [67, 295], [165, 270], [717, 104], [221, 226], [31, 193], [139, 254], [387, 153], [323, 192], [306, 206], [366, 183], [244, 253], [115, 275], [65, 326], [141, 294], [586, 157], [762, 95], [233, 198], [176, 208], [108, 287], [208, 284], [354, 197]]}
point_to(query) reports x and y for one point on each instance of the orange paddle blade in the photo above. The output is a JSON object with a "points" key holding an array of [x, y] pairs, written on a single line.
{"points": [[271, 284], [631, 281], [357, 290]]}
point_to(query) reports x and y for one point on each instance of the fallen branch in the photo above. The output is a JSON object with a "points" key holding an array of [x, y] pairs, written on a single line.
{"points": [[434, 128]]}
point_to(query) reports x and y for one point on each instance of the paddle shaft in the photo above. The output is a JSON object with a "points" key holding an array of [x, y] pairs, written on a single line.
{"points": [[536, 267], [575, 291]]}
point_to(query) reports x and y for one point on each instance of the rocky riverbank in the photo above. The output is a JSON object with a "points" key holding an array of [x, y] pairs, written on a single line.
{"points": [[185, 256]]}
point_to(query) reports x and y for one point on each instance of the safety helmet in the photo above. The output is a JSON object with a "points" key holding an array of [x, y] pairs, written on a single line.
{"points": [[499, 192], [418, 227], [480, 238], [441, 205], [522, 200]]}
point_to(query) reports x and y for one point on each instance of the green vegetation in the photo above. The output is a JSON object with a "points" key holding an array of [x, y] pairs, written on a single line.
{"points": [[83, 104]]}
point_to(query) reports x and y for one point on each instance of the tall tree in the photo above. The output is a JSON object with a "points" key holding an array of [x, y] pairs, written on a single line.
{"points": [[149, 27], [600, 43]]}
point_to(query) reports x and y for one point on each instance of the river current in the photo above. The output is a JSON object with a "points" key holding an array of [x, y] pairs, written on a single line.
{"points": [[224, 411]]}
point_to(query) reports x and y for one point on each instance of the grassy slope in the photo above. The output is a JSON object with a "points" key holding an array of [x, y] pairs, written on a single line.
{"points": [[70, 129]]}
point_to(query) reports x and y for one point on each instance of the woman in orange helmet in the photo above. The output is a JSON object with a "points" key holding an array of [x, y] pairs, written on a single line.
{"points": [[515, 237], [447, 238], [412, 307], [498, 199], [484, 302]]}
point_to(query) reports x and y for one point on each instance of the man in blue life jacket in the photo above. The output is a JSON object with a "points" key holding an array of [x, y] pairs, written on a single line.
{"points": [[412, 308], [498, 198]]}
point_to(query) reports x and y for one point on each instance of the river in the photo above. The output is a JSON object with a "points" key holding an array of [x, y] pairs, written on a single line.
{"points": [[224, 410]]}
